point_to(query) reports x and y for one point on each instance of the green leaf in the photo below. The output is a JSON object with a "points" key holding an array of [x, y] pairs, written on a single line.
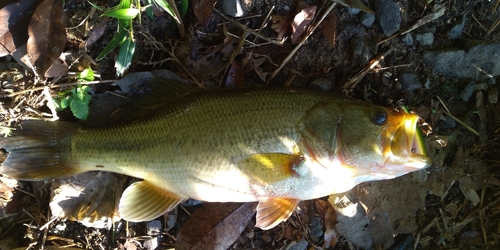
{"points": [[65, 102], [117, 39], [80, 109], [184, 7], [86, 75], [149, 8], [127, 14], [82, 94], [124, 4], [125, 55], [94, 5], [164, 5]]}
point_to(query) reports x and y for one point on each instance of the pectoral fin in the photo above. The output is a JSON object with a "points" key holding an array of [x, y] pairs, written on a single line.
{"points": [[272, 211], [270, 168], [143, 201]]}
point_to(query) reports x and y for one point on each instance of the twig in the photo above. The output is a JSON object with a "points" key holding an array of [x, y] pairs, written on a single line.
{"points": [[351, 83], [447, 112], [251, 31], [292, 53], [480, 24], [58, 86]]}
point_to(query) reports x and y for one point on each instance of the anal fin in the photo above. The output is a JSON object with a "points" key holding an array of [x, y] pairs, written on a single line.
{"points": [[143, 201], [272, 211]]}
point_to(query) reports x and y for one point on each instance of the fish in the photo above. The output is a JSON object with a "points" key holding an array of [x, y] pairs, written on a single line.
{"points": [[275, 146]]}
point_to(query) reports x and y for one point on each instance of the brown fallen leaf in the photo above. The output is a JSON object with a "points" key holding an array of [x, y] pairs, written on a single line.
{"points": [[14, 20], [301, 22], [352, 221], [47, 35], [391, 206], [215, 226], [203, 10], [328, 28], [331, 236], [280, 25], [88, 198], [235, 76]]}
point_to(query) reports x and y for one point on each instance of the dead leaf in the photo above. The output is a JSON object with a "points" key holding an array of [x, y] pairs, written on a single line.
{"points": [[88, 198], [301, 22], [203, 10], [352, 221], [328, 27], [235, 76], [14, 20], [47, 35], [280, 25], [215, 226], [59, 67], [7, 186], [331, 237], [391, 205], [97, 30]]}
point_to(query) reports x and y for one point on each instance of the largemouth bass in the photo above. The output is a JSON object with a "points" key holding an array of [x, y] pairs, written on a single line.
{"points": [[272, 145]]}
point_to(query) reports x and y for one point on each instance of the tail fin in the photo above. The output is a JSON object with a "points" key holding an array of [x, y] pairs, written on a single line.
{"points": [[38, 150]]}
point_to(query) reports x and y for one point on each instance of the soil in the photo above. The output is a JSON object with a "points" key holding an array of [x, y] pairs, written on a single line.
{"points": [[456, 207]]}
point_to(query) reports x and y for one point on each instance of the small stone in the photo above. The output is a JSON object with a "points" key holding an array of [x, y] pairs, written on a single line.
{"points": [[467, 91], [493, 95], [353, 11], [449, 122], [491, 81], [409, 82], [465, 64], [323, 84], [456, 31], [425, 39], [388, 15], [302, 245], [367, 19], [408, 39]]}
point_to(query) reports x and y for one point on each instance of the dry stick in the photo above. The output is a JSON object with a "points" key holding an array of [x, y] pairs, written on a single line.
{"points": [[251, 31], [447, 112], [58, 86], [292, 53], [351, 83]]}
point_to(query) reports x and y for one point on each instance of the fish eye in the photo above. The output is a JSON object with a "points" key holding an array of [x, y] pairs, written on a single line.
{"points": [[379, 117]]}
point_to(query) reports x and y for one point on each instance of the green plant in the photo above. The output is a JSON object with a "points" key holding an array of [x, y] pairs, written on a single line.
{"points": [[77, 98], [126, 11]]}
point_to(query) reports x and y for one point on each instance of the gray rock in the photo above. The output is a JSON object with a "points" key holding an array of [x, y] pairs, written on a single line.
{"points": [[468, 91], [388, 16], [456, 30], [367, 19], [449, 122], [301, 245], [408, 39], [353, 11], [409, 82], [463, 64], [321, 84], [425, 39]]}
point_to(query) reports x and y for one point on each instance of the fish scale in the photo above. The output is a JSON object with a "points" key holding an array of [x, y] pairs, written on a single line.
{"points": [[273, 145]]}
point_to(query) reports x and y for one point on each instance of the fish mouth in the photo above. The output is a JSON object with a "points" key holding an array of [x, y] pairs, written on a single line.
{"points": [[406, 144]]}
